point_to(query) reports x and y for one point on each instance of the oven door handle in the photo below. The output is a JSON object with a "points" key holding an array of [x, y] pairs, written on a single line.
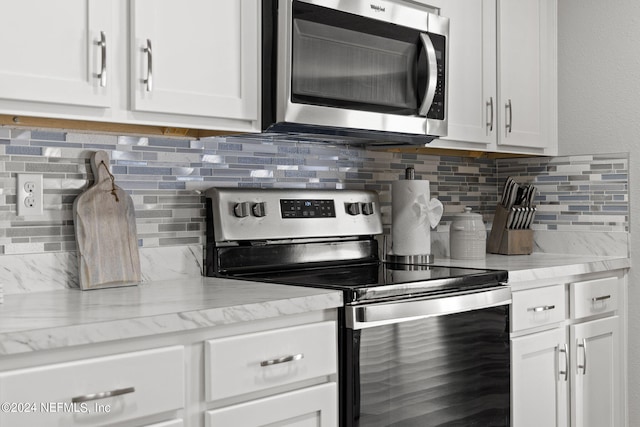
{"points": [[377, 314]]}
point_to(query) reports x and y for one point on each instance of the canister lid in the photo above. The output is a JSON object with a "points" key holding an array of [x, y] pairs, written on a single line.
{"points": [[467, 214]]}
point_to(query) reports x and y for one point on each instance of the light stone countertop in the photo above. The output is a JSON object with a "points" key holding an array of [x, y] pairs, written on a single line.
{"points": [[538, 266], [63, 318], [56, 319]]}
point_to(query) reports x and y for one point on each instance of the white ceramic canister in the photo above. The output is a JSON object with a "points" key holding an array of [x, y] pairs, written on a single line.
{"points": [[468, 236]]}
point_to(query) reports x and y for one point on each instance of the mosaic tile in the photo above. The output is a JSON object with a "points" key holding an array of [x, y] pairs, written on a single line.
{"points": [[164, 176]]}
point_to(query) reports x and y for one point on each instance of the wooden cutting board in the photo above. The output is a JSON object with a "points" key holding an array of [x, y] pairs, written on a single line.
{"points": [[105, 225]]}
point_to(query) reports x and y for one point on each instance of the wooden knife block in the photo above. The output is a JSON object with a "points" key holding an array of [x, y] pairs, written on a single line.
{"points": [[508, 242]]}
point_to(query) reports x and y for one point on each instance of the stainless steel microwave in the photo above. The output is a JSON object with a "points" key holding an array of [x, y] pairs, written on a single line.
{"points": [[373, 71]]}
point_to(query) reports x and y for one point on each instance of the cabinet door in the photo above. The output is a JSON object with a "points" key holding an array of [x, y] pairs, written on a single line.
{"points": [[196, 57], [53, 52], [527, 73], [596, 372], [539, 379], [308, 407], [472, 115]]}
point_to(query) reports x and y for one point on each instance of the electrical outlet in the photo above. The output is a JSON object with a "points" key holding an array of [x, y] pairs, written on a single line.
{"points": [[29, 195]]}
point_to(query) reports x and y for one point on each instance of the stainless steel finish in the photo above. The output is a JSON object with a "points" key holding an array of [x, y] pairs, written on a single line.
{"points": [[149, 80], [346, 124], [103, 395], [509, 110], [541, 308], [283, 359], [392, 11], [565, 350], [103, 57], [432, 63], [583, 345], [233, 258], [410, 259], [490, 115], [377, 314], [272, 226], [602, 298]]}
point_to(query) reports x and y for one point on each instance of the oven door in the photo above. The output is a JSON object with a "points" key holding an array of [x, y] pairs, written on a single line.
{"points": [[446, 366], [355, 67]]}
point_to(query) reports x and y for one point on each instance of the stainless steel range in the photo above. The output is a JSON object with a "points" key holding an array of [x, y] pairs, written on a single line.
{"points": [[420, 345]]}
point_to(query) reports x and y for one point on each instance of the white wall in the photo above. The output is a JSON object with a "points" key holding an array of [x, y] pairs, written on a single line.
{"points": [[599, 112]]}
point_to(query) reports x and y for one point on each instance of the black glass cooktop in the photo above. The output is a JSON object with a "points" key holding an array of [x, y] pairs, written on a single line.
{"points": [[381, 281]]}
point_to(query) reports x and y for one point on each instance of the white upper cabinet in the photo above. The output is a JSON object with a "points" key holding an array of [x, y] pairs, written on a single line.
{"points": [[502, 77], [527, 71], [196, 57], [472, 116], [170, 63], [57, 52]]}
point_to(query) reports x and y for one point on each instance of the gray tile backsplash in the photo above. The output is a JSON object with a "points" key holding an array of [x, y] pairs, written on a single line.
{"points": [[165, 177]]}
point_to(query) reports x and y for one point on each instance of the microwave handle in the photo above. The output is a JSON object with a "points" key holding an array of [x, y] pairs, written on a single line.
{"points": [[432, 71]]}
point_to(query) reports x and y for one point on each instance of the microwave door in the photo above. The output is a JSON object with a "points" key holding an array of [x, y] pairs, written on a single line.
{"points": [[428, 74]]}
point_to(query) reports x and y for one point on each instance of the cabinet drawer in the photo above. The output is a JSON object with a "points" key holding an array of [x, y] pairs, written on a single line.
{"points": [[95, 391], [593, 297], [252, 362], [538, 307], [313, 406]]}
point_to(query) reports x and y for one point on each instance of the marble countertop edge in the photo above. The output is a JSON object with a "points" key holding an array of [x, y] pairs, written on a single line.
{"points": [[47, 328]]}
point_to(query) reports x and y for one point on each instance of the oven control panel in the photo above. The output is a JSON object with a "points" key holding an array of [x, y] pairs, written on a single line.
{"points": [[307, 208], [258, 214]]}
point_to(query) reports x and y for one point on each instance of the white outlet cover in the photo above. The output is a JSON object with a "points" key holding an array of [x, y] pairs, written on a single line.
{"points": [[25, 182]]}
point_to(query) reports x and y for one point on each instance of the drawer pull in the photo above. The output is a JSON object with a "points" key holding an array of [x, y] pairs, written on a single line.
{"points": [[541, 308], [602, 298], [103, 395], [283, 359]]}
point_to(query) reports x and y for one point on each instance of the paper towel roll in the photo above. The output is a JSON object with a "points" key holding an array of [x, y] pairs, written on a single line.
{"points": [[413, 214]]}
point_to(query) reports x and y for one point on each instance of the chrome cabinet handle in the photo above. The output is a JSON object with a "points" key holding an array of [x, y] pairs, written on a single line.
{"points": [[283, 359], [510, 121], [103, 395], [432, 62], [541, 308], [584, 359], [602, 298], [149, 80], [490, 120], [565, 350], [103, 55]]}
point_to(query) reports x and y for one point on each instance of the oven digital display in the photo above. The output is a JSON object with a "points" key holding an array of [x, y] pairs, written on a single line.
{"points": [[307, 208]]}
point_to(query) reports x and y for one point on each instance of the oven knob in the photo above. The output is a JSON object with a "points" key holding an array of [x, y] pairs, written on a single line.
{"points": [[353, 208], [258, 209], [367, 208], [241, 209]]}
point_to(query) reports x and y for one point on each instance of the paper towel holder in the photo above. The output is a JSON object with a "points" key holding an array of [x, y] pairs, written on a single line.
{"points": [[409, 174]]}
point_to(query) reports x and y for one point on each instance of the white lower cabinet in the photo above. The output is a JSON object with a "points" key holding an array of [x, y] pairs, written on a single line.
{"points": [[539, 379], [569, 370], [595, 364], [308, 407], [275, 372], [96, 391], [265, 362]]}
